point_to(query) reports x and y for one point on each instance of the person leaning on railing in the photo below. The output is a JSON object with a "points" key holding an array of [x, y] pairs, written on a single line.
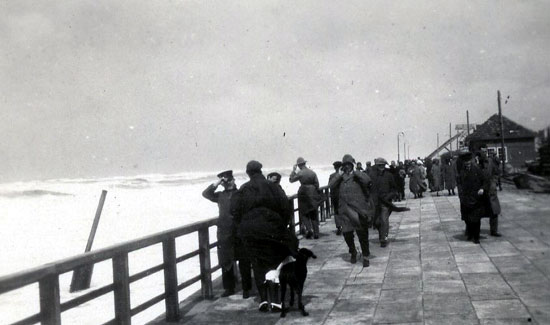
{"points": [[230, 247]]}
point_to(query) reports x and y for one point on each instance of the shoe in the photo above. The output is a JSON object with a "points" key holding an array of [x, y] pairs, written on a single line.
{"points": [[308, 235], [264, 307], [496, 234], [246, 294], [383, 244], [353, 258], [315, 236], [366, 262], [338, 231], [476, 241], [228, 292], [276, 308]]}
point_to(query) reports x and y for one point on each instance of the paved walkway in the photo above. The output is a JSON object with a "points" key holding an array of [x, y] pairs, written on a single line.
{"points": [[428, 274]]}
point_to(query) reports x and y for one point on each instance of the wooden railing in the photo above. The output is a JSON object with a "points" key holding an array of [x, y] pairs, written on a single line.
{"points": [[47, 276]]}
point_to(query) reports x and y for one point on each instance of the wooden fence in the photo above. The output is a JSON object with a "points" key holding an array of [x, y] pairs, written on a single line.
{"points": [[47, 276]]}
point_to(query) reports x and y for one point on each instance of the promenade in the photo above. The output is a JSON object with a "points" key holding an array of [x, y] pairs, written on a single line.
{"points": [[429, 274]]}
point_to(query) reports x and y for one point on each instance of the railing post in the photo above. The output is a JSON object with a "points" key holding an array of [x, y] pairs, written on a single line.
{"points": [[121, 289], [204, 258], [49, 300], [292, 221], [322, 211], [170, 280], [327, 202]]}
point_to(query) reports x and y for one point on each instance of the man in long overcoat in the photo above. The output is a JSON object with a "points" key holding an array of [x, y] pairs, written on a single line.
{"points": [[334, 197], [449, 175], [492, 203], [383, 191], [471, 182], [355, 207], [436, 177], [262, 212], [230, 247], [309, 197]]}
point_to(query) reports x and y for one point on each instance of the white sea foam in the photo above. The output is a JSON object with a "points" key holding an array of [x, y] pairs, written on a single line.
{"points": [[45, 221]]}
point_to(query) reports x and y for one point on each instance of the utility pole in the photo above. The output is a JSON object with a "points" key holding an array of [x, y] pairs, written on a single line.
{"points": [[438, 144], [450, 137], [398, 134], [503, 156], [468, 122]]}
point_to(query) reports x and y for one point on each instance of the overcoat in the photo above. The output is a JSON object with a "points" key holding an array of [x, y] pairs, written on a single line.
{"points": [[354, 191], [449, 174], [436, 178], [261, 210], [226, 226], [472, 205], [491, 172], [309, 197], [416, 183]]}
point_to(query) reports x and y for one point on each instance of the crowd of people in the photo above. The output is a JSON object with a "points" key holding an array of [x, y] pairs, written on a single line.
{"points": [[255, 228]]}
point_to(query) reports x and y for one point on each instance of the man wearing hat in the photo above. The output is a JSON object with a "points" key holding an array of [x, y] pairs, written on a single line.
{"points": [[261, 210], [353, 206], [308, 196], [229, 247], [471, 183], [383, 192], [334, 196]]}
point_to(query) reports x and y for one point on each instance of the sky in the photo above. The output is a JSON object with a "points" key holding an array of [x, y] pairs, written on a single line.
{"points": [[112, 88]]}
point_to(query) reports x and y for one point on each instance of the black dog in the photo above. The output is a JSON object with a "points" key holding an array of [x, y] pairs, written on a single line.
{"points": [[294, 274]]}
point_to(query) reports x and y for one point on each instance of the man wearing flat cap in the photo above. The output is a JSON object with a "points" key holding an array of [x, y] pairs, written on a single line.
{"points": [[383, 192], [229, 247], [334, 196], [308, 196], [354, 206], [261, 210]]}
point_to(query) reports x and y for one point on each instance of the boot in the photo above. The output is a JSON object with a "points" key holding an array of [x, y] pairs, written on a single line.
{"points": [[349, 238]]}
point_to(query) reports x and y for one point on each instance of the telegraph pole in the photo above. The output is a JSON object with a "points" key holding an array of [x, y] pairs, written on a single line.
{"points": [[468, 122], [503, 156]]}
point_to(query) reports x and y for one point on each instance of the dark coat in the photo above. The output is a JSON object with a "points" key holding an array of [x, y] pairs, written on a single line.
{"points": [[226, 225], [309, 197], [261, 209], [437, 184], [416, 183], [491, 173], [472, 205], [354, 191], [449, 175], [383, 188]]}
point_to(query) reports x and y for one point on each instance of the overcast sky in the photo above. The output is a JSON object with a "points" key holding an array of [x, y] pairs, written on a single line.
{"points": [[103, 88]]}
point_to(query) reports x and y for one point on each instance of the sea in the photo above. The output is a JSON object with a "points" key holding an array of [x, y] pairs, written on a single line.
{"points": [[46, 221]]}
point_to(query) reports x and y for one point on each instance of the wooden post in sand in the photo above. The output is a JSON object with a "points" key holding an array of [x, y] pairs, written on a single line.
{"points": [[82, 276]]}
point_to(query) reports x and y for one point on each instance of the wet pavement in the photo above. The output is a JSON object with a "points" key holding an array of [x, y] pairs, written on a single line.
{"points": [[428, 274]]}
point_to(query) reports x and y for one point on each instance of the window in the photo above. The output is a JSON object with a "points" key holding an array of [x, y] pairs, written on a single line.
{"points": [[500, 154]]}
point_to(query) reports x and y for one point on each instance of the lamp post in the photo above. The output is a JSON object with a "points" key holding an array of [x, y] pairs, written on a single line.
{"points": [[398, 134]]}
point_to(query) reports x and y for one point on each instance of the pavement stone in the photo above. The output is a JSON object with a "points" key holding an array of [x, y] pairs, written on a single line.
{"points": [[429, 274]]}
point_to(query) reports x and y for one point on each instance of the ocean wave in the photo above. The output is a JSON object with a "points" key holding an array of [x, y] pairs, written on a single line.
{"points": [[32, 193]]}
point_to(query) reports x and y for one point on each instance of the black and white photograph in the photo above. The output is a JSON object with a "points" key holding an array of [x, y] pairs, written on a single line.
{"points": [[274, 162]]}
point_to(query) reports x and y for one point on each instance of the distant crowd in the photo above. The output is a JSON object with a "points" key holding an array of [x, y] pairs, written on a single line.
{"points": [[254, 226]]}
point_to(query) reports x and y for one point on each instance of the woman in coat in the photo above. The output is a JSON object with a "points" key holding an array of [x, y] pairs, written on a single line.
{"points": [[416, 183], [436, 177], [449, 175]]}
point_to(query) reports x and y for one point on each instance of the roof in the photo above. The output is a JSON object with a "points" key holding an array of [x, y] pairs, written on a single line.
{"points": [[491, 130]]}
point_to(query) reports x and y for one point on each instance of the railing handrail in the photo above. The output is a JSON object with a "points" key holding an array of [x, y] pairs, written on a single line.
{"points": [[23, 278], [47, 275]]}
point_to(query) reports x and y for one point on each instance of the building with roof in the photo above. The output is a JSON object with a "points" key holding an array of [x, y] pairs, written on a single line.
{"points": [[519, 142]]}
